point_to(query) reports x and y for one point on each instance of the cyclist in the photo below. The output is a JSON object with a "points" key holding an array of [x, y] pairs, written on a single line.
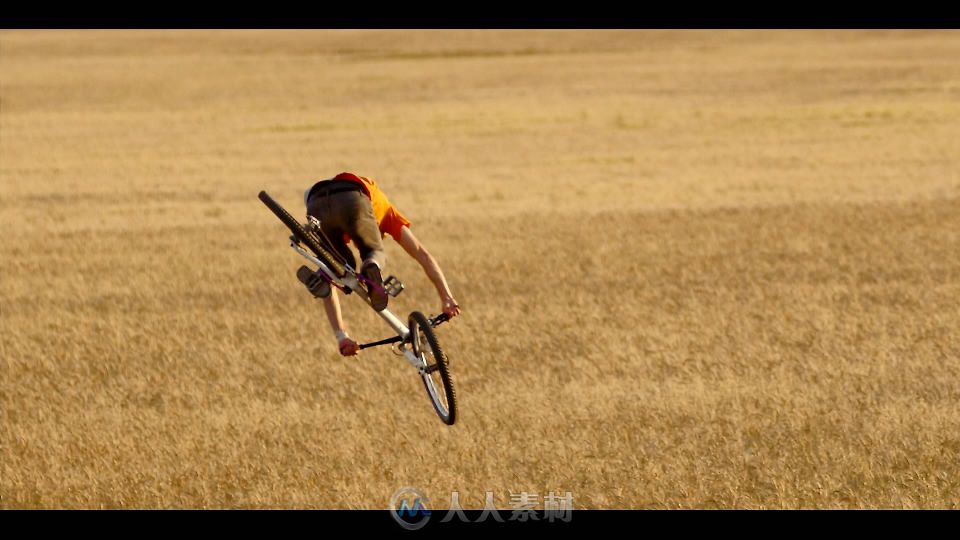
{"points": [[354, 208]]}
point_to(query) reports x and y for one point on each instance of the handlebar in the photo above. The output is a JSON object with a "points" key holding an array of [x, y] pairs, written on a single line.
{"points": [[434, 322]]}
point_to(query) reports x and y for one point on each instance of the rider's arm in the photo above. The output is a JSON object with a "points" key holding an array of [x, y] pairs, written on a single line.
{"points": [[416, 250], [331, 305]]}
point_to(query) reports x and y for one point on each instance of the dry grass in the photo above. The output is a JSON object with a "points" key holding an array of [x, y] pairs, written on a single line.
{"points": [[698, 269]]}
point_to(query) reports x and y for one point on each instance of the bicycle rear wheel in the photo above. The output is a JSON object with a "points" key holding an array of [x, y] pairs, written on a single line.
{"points": [[305, 237], [436, 378]]}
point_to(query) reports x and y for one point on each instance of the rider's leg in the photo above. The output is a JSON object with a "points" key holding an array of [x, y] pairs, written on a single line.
{"points": [[336, 238], [363, 229], [332, 218], [352, 212]]}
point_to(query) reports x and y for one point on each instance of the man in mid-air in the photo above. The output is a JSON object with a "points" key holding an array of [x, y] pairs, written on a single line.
{"points": [[354, 208]]}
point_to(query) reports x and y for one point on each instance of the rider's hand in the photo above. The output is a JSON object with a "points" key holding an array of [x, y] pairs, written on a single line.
{"points": [[348, 347], [450, 307]]}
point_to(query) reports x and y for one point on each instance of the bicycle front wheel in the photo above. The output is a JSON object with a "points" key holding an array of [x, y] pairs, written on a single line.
{"points": [[435, 367]]}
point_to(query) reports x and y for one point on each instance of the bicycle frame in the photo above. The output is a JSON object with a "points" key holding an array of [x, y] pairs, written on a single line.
{"points": [[349, 282]]}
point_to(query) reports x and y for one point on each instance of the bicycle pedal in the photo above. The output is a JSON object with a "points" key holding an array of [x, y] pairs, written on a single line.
{"points": [[317, 286], [393, 286]]}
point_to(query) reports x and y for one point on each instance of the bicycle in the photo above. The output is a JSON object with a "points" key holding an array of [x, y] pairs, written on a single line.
{"points": [[416, 341]]}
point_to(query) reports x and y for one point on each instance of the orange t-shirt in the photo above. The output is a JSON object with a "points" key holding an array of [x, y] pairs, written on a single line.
{"points": [[389, 219]]}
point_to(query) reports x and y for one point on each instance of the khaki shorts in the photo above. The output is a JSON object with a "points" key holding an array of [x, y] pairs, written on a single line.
{"points": [[348, 212]]}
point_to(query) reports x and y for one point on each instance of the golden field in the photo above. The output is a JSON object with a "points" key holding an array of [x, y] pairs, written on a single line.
{"points": [[702, 269]]}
